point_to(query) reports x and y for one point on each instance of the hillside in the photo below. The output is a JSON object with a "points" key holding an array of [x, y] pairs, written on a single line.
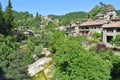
{"points": [[25, 38], [70, 17], [81, 15]]}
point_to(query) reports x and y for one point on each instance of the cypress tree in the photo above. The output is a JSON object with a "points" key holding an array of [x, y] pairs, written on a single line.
{"points": [[2, 27], [9, 18], [0, 7], [38, 17], [37, 14]]}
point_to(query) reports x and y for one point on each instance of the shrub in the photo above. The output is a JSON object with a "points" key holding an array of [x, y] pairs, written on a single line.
{"points": [[101, 47]]}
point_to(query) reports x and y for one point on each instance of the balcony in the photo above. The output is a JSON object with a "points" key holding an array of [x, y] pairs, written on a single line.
{"points": [[84, 30]]}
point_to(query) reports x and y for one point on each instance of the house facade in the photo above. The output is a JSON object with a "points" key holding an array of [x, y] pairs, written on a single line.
{"points": [[72, 29], [110, 30], [107, 24], [89, 27]]}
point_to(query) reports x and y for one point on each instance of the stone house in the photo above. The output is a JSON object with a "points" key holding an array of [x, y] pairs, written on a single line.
{"points": [[110, 30], [72, 29], [89, 27], [100, 16], [108, 24]]}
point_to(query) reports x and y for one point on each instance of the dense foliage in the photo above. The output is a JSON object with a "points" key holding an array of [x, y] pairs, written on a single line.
{"points": [[116, 40], [2, 20], [118, 12], [96, 35], [9, 18], [99, 8], [25, 20], [13, 58], [71, 60], [6, 20], [70, 17]]}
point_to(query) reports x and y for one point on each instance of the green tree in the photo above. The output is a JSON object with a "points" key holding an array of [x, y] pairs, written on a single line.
{"points": [[2, 77], [17, 69], [14, 60], [115, 71], [109, 55], [38, 49], [30, 45], [96, 35], [115, 60], [56, 40], [51, 24], [72, 62], [65, 21], [37, 20], [102, 8], [118, 12], [116, 40], [70, 17], [0, 7], [95, 11], [2, 21], [9, 18]]}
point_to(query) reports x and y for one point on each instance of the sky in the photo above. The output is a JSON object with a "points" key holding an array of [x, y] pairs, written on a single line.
{"points": [[57, 7]]}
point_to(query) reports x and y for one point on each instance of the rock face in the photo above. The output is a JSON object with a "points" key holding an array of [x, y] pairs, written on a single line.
{"points": [[38, 66]]}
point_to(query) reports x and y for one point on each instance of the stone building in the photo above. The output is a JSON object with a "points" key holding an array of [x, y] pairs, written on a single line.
{"points": [[111, 29], [100, 16], [89, 27], [108, 24], [72, 29]]}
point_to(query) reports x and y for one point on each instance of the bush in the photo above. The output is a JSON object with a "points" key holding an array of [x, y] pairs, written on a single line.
{"points": [[101, 47], [73, 62], [96, 34]]}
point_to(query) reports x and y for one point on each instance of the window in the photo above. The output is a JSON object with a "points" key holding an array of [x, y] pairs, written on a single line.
{"points": [[109, 30], [117, 29], [86, 28]]}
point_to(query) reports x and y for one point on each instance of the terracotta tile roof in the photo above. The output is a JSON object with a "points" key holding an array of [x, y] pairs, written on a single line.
{"points": [[116, 18], [113, 24], [92, 23]]}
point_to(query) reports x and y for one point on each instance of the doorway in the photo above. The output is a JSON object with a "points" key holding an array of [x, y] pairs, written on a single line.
{"points": [[109, 38]]}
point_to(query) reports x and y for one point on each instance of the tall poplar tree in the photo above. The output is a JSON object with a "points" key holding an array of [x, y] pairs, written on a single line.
{"points": [[9, 18], [2, 28], [0, 7]]}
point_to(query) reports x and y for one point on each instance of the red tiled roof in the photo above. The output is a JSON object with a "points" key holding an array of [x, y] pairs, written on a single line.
{"points": [[116, 18], [92, 23], [114, 24]]}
